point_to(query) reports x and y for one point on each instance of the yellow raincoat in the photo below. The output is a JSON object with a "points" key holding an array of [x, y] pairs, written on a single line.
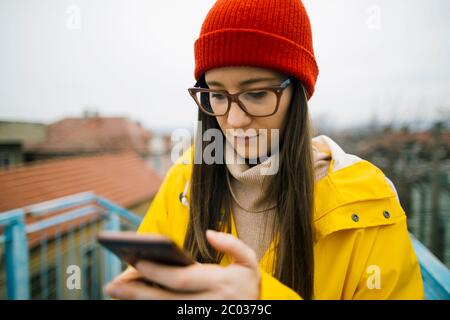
{"points": [[362, 248]]}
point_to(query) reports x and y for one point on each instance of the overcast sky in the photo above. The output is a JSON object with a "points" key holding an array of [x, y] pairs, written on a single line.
{"points": [[378, 59]]}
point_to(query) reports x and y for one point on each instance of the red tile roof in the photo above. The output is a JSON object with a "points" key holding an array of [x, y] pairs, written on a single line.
{"points": [[93, 134], [123, 178]]}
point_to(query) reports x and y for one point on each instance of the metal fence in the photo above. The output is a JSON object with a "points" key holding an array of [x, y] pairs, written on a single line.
{"points": [[49, 251], [420, 220]]}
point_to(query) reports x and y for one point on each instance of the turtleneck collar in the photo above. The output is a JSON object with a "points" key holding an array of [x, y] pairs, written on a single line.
{"points": [[241, 171], [250, 183]]}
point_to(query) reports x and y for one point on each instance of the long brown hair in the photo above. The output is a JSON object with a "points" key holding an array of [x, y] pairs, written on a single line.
{"points": [[292, 190]]}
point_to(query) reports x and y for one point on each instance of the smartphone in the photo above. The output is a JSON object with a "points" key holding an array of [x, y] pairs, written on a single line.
{"points": [[132, 247]]}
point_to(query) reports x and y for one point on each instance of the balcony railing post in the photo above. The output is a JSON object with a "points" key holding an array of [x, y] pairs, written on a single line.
{"points": [[112, 264], [16, 260]]}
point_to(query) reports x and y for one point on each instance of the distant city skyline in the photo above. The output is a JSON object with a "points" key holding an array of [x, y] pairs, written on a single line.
{"points": [[382, 60]]}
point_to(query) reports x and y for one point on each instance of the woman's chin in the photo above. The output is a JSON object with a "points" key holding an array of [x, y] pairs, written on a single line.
{"points": [[251, 151], [252, 155]]}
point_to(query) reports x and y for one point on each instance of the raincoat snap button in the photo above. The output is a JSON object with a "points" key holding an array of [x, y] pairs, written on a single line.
{"points": [[386, 214], [355, 217]]}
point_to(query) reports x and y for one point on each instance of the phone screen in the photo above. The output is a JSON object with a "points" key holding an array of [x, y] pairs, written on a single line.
{"points": [[132, 247]]}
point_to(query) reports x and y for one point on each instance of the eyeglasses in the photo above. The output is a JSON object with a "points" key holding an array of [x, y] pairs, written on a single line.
{"points": [[255, 102]]}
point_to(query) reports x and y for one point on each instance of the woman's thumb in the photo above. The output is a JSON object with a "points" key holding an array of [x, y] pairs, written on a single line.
{"points": [[238, 250]]}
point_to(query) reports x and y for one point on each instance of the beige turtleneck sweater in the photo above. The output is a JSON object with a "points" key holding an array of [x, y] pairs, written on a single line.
{"points": [[249, 185]]}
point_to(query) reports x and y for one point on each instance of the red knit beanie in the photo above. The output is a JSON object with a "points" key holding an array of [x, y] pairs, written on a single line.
{"points": [[272, 34]]}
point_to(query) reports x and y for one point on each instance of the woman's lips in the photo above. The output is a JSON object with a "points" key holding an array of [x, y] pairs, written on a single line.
{"points": [[245, 139]]}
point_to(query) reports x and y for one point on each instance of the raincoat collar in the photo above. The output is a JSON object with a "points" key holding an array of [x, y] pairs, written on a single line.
{"points": [[350, 179], [351, 186]]}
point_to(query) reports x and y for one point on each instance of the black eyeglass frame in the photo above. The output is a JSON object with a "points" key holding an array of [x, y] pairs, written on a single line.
{"points": [[278, 90]]}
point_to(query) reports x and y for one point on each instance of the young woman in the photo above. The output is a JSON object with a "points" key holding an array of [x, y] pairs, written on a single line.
{"points": [[323, 225]]}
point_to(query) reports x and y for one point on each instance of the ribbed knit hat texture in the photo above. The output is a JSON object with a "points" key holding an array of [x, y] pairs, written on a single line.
{"points": [[272, 34]]}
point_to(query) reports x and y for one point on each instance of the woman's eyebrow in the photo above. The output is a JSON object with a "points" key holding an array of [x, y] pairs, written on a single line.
{"points": [[243, 83]]}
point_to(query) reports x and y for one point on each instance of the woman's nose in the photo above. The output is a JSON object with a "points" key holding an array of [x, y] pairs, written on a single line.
{"points": [[236, 117]]}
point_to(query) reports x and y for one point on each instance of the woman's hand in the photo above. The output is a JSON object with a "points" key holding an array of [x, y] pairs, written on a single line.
{"points": [[239, 280]]}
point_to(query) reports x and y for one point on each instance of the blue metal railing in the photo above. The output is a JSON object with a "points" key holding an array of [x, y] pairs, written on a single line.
{"points": [[78, 215], [101, 266], [16, 254], [435, 275]]}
